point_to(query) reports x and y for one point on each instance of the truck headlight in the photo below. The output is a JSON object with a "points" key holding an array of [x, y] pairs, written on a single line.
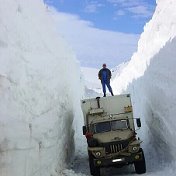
{"points": [[134, 149], [98, 154]]}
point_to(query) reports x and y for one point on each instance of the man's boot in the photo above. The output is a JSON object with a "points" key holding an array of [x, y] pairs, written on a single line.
{"points": [[112, 93], [104, 95]]}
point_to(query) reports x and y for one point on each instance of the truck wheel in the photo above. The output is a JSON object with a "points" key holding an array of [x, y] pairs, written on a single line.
{"points": [[140, 166], [95, 171]]}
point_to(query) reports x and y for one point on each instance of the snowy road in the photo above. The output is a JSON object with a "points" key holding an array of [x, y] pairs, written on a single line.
{"points": [[80, 167], [80, 164]]}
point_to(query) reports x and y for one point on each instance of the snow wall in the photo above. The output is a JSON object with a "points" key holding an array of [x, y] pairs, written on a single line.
{"points": [[150, 78], [39, 92]]}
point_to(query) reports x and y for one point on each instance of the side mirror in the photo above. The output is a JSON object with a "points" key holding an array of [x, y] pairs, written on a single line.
{"points": [[84, 129], [138, 122]]}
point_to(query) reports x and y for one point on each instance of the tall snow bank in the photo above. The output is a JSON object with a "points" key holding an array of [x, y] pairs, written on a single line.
{"points": [[155, 101], [39, 96], [150, 78], [161, 29]]}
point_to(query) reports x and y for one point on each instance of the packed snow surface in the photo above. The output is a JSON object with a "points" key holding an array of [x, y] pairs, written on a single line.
{"points": [[39, 97], [90, 75], [91, 83]]}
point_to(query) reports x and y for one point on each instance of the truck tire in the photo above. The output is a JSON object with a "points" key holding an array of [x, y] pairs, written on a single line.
{"points": [[95, 171], [140, 166]]}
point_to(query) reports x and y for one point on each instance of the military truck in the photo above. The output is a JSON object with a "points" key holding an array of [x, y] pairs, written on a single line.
{"points": [[111, 135]]}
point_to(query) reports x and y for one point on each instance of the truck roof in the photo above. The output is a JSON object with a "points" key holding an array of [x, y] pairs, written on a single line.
{"points": [[110, 105]]}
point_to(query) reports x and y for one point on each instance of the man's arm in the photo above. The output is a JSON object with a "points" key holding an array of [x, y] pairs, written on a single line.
{"points": [[109, 74], [99, 74]]}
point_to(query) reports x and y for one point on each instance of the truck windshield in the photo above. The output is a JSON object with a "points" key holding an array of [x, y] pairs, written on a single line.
{"points": [[111, 125], [102, 127], [119, 125]]}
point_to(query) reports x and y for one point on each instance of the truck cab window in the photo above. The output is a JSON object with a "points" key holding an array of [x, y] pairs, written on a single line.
{"points": [[119, 125], [102, 127]]}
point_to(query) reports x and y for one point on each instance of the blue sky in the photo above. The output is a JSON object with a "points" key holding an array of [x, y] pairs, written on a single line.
{"points": [[101, 31], [128, 16]]}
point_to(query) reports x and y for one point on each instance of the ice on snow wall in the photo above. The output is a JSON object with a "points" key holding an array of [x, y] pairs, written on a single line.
{"points": [[39, 82]]}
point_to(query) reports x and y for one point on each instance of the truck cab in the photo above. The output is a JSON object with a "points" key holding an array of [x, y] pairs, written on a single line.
{"points": [[111, 135]]}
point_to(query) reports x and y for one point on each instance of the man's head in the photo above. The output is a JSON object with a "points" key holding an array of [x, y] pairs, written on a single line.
{"points": [[104, 65]]}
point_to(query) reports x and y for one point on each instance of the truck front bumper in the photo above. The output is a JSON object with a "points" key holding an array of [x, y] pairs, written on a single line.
{"points": [[118, 161]]}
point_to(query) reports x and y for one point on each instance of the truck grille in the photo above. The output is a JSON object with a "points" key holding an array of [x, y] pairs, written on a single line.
{"points": [[114, 148]]}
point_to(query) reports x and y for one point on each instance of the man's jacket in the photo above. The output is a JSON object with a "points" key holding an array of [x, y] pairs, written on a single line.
{"points": [[104, 74]]}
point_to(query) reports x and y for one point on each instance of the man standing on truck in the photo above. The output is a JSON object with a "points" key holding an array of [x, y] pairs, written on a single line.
{"points": [[105, 75]]}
